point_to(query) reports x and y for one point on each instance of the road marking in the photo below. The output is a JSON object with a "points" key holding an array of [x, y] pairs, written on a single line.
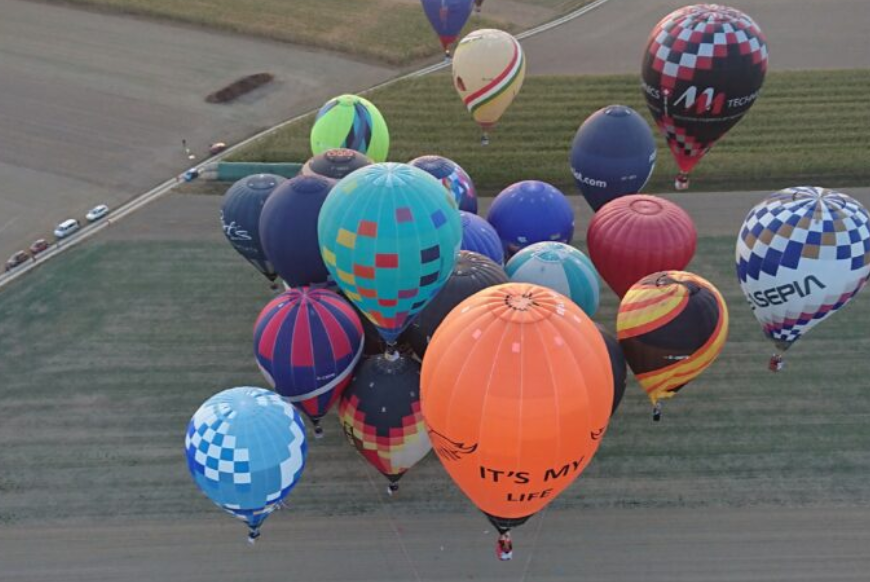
{"points": [[158, 191]]}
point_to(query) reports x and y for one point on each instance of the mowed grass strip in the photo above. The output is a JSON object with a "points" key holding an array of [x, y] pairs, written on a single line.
{"points": [[809, 127], [391, 31], [108, 353]]}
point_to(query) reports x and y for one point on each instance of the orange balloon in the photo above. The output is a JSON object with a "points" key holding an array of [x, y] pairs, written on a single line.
{"points": [[516, 392]]}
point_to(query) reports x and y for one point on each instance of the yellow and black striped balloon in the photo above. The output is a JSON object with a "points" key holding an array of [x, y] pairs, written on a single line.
{"points": [[671, 326]]}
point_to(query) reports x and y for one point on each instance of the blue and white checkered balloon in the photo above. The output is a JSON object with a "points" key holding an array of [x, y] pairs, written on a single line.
{"points": [[801, 255], [246, 450]]}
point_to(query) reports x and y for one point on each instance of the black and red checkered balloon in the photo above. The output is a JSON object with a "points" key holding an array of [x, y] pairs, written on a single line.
{"points": [[703, 68]]}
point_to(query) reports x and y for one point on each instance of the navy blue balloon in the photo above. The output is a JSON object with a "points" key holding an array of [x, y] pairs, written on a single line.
{"points": [[478, 236], [528, 212], [288, 229], [240, 218], [613, 154]]}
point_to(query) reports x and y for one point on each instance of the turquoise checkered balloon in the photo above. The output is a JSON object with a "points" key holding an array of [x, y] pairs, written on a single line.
{"points": [[389, 235], [246, 450], [561, 268]]}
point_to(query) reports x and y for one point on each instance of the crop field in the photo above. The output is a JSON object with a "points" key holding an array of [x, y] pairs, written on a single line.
{"points": [[807, 128], [390, 31], [108, 353]]}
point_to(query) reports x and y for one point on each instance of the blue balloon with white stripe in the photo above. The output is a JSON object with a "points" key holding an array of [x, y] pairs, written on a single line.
{"points": [[559, 267], [246, 450]]}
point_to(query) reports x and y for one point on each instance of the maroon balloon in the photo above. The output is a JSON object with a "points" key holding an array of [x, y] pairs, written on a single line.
{"points": [[633, 236]]}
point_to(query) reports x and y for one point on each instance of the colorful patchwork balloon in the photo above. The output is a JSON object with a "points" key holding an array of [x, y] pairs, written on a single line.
{"points": [[455, 180], [307, 343], [479, 236], [351, 122], [802, 254], [531, 211], [559, 267], [381, 418], [703, 68], [671, 325], [246, 450], [389, 235], [488, 71]]}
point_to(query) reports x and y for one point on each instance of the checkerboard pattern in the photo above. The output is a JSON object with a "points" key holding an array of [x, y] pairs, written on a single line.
{"points": [[695, 37]]}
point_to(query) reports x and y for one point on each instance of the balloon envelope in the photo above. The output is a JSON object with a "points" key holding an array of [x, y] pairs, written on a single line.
{"points": [[517, 392], [240, 217], [488, 71], [354, 123], [802, 254], [531, 211], [288, 227], [380, 414], [389, 235], [703, 68], [671, 326], [479, 236], [335, 164], [559, 267], [455, 180], [307, 343], [447, 18], [613, 154], [636, 235], [246, 450], [472, 273], [617, 366]]}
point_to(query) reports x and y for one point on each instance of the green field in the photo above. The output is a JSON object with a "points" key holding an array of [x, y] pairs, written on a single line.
{"points": [[391, 31], [108, 352], [807, 128]]}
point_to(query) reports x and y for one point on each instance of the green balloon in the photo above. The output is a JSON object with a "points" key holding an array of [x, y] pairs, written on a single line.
{"points": [[354, 123]]}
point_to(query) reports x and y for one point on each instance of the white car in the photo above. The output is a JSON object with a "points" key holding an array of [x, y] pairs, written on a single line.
{"points": [[66, 228], [97, 212]]}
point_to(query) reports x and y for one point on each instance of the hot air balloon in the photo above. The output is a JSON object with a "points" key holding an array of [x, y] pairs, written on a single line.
{"points": [[288, 228], [335, 164], [802, 254], [531, 211], [488, 70], [671, 326], [455, 180], [516, 393], [240, 218], [447, 18], [472, 273], [479, 236], [246, 450], [703, 68], [559, 267], [307, 343], [354, 123], [613, 154], [636, 235], [380, 415], [389, 234], [617, 366]]}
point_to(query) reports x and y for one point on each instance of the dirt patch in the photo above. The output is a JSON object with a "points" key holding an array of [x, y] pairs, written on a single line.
{"points": [[240, 87]]}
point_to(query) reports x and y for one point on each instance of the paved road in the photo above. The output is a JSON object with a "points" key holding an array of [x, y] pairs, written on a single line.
{"points": [[801, 34], [93, 107], [665, 545]]}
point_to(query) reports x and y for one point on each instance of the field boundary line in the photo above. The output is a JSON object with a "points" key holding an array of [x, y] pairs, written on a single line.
{"points": [[90, 230]]}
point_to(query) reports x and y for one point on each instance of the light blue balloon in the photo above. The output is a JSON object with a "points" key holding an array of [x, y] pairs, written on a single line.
{"points": [[246, 450], [559, 267]]}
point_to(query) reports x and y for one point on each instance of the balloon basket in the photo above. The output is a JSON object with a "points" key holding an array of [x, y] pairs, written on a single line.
{"points": [[657, 412], [484, 140], [253, 534], [776, 363], [392, 489], [318, 431], [682, 182]]}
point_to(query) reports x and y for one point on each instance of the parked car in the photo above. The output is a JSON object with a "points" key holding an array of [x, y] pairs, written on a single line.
{"points": [[16, 260], [216, 148], [38, 246], [97, 212], [66, 228]]}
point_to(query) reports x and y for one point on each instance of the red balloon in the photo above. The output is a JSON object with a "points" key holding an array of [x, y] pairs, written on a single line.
{"points": [[633, 236]]}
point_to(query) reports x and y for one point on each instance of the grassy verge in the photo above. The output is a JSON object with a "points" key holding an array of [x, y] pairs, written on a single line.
{"points": [[107, 353], [808, 128], [391, 31]]}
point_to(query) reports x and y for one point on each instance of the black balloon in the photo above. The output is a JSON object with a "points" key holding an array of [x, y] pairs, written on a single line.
{"points": [[335, 164], [617, 364], [471, 273]]}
